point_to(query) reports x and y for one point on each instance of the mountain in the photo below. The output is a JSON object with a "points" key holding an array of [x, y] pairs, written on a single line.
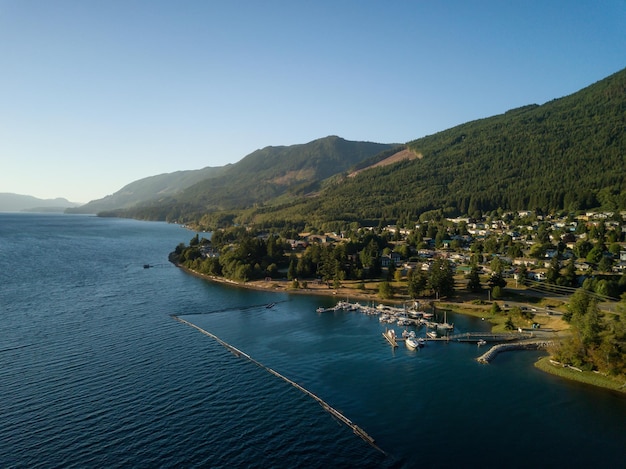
{"points": [[263, 177], [22, 203], [149, 189], [567, 154]]}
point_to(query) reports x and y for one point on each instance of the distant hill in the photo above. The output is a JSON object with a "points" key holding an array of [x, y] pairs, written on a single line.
{"points": [[262, 177], [149, 189], [26, 203]]}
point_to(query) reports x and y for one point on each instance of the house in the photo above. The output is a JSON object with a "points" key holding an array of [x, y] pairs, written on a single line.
{"points": [[393, 257]]}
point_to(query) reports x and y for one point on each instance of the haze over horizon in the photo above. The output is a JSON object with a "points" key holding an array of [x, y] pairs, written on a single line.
{"points": [[97, 95]]}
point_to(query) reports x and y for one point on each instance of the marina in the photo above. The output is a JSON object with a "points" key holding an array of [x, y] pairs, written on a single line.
{"points": [[416, 317]]}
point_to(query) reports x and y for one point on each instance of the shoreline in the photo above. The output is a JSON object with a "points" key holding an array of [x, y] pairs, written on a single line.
{"points": [[320, 289], [284, 286]]}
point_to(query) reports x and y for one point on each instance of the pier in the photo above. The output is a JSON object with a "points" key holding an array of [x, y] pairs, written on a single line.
{"points": [[525, 345], [331, 410], [489, 336]]}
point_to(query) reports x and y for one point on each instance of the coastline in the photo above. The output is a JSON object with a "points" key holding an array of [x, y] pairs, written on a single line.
{"points": [[284, 286], [321, 289], [547, 365]]}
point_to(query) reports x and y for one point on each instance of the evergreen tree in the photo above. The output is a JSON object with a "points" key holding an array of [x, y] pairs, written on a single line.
{"points": [[441, 278], [473, 283]]}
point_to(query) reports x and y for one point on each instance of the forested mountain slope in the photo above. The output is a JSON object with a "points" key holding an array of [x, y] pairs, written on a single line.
{"points": [[262, 176], [569, 153], [149, 189]]}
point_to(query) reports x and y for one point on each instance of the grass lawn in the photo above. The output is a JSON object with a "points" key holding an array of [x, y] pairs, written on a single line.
{"points": [[587, 377]]}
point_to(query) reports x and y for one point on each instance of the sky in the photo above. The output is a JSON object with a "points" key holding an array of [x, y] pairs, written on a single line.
{"points": [[97, 94]]}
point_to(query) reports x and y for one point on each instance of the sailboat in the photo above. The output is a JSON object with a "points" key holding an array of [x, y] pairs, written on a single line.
{"points": [[445, 326]]}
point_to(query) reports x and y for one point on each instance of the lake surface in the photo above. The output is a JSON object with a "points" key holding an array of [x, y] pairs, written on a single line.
{"points": [[95, 372]]}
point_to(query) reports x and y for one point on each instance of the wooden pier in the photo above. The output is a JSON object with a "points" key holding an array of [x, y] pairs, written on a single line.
{"points": [[390, 336], [331, 410], [489, 336], [524, 345]]}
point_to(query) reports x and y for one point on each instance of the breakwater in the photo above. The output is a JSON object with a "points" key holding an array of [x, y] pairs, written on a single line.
{"points": [[331, 410], [525, 345]]}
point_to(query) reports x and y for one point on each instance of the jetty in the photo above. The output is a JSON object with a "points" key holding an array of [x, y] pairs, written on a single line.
{"points": [[331, 410], [390, 336], [524, 345], [489, 336]]}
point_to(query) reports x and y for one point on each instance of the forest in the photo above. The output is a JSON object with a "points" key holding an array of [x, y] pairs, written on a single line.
{"points": [[567, 154]]}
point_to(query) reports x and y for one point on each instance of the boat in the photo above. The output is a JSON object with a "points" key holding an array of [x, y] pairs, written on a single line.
{"points": [[421, 342], [432, 334], [390, 336], [481, 342], [269, 306], [411, 343], [444, 325]]}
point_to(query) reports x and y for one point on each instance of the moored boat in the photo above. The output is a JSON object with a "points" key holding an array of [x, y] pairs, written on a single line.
{"points": [[411, 343]]}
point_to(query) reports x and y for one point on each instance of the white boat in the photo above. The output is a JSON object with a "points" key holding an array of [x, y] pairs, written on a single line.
{"points": [[411, 343], [432, 334], [481, 342], [445, 326]]}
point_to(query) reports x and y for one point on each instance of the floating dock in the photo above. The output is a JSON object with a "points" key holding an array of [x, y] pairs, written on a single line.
{"points": [[390, 336]]}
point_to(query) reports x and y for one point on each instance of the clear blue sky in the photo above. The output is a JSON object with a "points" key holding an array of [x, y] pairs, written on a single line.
{"points": [[97, 94]]}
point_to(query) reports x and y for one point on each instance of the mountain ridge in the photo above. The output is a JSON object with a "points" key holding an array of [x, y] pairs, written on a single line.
{"points": [[11, 202], [566, 154]]}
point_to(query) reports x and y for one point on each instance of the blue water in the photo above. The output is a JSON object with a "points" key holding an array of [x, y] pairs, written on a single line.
{"points": [[95, 372]]}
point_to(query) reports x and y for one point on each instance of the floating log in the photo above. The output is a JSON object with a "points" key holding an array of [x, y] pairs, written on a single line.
{"points": [[334, 412]]}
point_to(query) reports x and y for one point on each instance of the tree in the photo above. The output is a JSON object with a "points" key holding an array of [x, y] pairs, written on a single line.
{"points": [[496, 292], [291, 272], [509, 325], [554, 271], [496, 280], [595, 255], [569, 278], [495, 308], [473, 283], [522, 274], [397, 276], [497, 266], [385, 290], [441, 278], [605, 264], [416, 282]]}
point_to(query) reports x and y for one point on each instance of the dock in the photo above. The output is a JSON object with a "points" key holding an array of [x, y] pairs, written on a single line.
{"points": [[489, 336], [331, 410], [390, 336], [490, 354]]}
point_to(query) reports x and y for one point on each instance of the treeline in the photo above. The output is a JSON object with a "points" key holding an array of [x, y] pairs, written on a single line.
{"points": [[597, 340], [241, 255]]}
